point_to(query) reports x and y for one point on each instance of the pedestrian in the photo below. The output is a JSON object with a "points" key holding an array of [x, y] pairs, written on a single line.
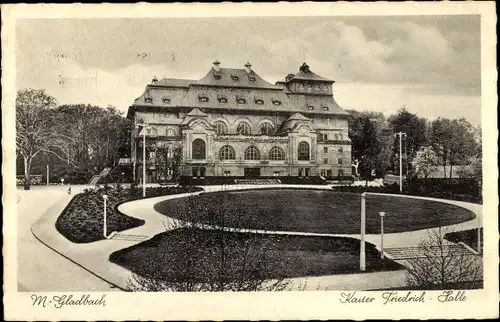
{"points": [[69, 190]]}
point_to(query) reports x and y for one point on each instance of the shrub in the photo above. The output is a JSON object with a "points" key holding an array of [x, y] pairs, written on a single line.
{"points": [[82, 220]]}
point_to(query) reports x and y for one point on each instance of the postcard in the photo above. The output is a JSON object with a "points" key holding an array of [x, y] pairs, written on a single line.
{"points": [[250, 161]]}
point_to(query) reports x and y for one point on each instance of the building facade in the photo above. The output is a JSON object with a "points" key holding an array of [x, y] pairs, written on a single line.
{"points": [[234, 123]]}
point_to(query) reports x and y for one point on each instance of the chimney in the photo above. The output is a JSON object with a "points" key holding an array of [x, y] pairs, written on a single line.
{"points": [[248, 67], [216, 66]]}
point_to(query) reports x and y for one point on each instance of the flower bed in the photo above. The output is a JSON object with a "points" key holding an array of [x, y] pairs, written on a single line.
{"points": [[82, 220], [188, 256], [468, 237]]}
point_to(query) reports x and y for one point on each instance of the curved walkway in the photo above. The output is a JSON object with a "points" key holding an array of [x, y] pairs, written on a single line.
{"points": [[94, 256]]}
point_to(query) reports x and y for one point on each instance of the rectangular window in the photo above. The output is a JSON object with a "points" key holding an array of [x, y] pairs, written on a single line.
{"points": [[329, 173], [301, 173], [227, 172], [325, 149], [323, 173], [325, 137], [202, 172], [307, 172], [276, 173], [325, 160], [195, 172]]}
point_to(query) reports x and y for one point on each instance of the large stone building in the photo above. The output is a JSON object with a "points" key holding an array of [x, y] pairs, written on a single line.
{"points": [[234, 123]]}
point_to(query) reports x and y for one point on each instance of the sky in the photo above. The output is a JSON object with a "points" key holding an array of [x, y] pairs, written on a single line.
{"points": [[431, 65]]}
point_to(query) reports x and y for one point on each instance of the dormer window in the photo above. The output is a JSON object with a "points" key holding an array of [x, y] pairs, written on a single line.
{"points": [[325, 108], [252, 78], [240, 100], [259, 101], [203, 98], [276, 102], [235, 77], [148, 100], [222, 99], [217, 75], [166, 100], [310, 107], [316, 87], [309, 87], [325, 88]]}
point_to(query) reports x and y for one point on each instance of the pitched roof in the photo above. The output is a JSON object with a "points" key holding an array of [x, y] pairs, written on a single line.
{"points": [[306, 74], [196, 112], [227, 80], [183, 97], [174, 82], [297, 117]]}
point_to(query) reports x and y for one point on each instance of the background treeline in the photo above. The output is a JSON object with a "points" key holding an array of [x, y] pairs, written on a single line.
{"points": [[84, 139], [78, 139], [427, 145]]}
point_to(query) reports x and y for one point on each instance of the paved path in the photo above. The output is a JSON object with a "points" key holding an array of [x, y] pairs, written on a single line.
{"points": [[40, 269], [94, 256]]}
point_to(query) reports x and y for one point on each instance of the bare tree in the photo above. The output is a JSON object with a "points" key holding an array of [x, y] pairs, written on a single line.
{"points": [[443, 265], [209, 257], [35, 127]]}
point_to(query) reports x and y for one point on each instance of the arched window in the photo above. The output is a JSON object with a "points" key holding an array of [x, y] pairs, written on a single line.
{"points": [[340, 160], [243, 128], [276, 153], [220, 128], [198, 149], [303, 151], [227, 152], [266, 129], [341, 150], [170, 132], [252, 153]]}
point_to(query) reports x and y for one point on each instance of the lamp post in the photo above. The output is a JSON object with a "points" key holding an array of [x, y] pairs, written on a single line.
{"points": [[382, 215], [62, 183], [400, 134], [144, 128], [362, 260], [105, 197]]}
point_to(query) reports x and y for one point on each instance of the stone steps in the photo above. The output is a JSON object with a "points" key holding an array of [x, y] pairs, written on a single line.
{"points": [[129, 237], [257, 181], [398, 253]]}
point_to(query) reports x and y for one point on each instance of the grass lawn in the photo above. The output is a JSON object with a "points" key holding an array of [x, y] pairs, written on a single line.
{"points": [[322, 211], [183, 252], [468, 237]]}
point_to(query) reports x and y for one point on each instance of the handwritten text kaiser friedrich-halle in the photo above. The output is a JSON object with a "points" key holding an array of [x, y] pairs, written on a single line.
{"points": [[392, 297]]}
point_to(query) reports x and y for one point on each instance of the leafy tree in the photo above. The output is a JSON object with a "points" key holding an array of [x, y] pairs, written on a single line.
{"points": [[425, 162], [35, 127], [93, 137], [416, 135], [454, 141], [379, 130], [369, 147]]}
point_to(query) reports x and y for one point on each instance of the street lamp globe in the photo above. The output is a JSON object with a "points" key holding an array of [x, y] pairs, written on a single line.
{"points": [[382, 214], [105, 197]]}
